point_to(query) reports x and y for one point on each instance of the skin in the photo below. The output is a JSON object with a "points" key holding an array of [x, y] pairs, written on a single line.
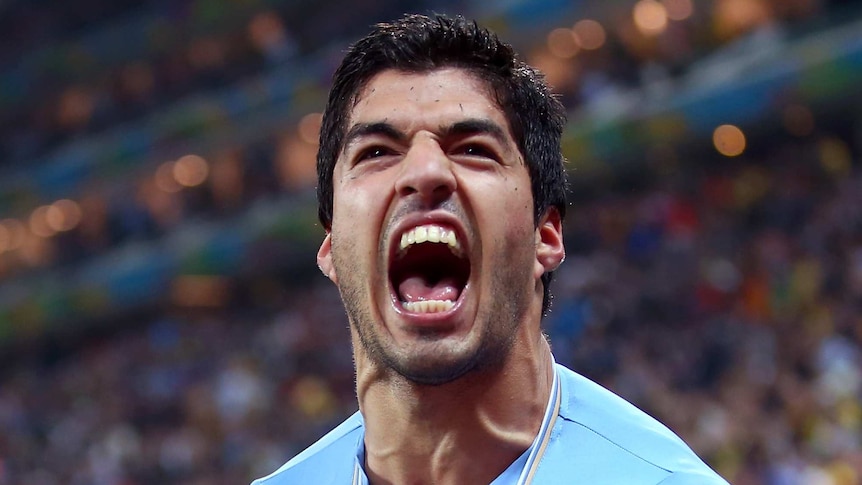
{"points": [[434, 147]]}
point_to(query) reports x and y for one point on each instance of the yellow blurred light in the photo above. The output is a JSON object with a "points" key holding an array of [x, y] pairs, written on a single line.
{"points": [[589, 34], [650, 17], [313, 397], [729, 140], [309, 128], [63, 215], [678, 9], [165, 180], [39, 222], [563, 43], [835, 156]]}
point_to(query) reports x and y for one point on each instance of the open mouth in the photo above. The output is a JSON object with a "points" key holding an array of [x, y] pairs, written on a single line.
{"points": [[430, 269]]}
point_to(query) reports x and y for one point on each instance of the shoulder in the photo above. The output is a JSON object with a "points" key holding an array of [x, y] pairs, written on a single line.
{"points": [[329, 460], [609, 437]]}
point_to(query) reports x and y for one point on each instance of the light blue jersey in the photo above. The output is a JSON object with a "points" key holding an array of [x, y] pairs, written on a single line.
{"points": [[588, 436]]}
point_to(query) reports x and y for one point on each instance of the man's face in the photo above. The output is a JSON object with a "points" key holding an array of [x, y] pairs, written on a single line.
{"points": [[433, 244]]}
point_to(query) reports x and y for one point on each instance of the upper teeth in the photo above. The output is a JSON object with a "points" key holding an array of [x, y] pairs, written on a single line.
{"points": [[431, 233]]}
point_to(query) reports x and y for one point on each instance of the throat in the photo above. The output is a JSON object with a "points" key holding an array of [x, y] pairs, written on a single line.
{"points": [[433, 452]]}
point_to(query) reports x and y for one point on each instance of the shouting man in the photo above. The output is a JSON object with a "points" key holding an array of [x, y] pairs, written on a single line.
{"points": [[442, 189]]}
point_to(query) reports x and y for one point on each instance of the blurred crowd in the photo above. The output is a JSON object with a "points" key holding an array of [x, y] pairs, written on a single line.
{"points": [[723, 297], [66, 81], [72, 71]]}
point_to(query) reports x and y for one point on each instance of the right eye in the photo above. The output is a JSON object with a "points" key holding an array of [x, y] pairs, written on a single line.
{"points": [[373, 152]]}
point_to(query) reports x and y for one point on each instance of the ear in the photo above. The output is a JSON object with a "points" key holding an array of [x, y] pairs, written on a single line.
{"points": [[550, 251], [324, 258]]}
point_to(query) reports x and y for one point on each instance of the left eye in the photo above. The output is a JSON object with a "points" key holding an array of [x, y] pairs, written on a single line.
{"points": [[476, 151]]}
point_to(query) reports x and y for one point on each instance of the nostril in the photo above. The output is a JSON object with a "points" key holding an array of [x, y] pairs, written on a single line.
{"points": [[441, 193], [431, 187]]}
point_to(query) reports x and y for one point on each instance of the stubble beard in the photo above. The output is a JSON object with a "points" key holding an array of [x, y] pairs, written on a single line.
{"points": [[436, 360]]}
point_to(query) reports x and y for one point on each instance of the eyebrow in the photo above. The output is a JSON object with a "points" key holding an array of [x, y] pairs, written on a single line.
{"points": [[361, 130], [471, 126], [475, 126]]}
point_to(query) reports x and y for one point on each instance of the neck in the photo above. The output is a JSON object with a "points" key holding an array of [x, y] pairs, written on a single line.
{"points": [[418, 434]]}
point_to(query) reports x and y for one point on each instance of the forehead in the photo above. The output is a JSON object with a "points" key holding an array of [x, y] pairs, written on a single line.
{"points": [[440, 96]]}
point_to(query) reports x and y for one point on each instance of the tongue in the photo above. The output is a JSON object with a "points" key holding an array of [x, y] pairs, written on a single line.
{"points": [[416, 288]]}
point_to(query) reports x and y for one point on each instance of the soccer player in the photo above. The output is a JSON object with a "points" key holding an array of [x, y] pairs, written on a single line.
{"points": [[442, 191]]}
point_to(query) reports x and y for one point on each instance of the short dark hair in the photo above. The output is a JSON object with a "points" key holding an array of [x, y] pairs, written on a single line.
{"points": [[417, 43]]}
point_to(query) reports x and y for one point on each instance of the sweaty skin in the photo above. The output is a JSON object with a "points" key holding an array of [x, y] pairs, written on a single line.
{"points": [[451, 396]]}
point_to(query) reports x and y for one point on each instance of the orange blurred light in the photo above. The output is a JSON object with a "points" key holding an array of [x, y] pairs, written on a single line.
{"points": [[5, 238], [39, 222], [729, 140], [309, 128], [200, 291], [734, 17], [138, 78], [798, 120], [563, 43], [226, 178], [15, 232], [206, 53], [266, 29], [295, 162], [36, 250], [63, 215], [650, 17], [165, 180], [678, 9], [191, 170], [75, 107], [590, 34]]}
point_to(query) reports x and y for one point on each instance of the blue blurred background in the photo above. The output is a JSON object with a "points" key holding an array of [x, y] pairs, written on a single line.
{"points": [[161, 317]]}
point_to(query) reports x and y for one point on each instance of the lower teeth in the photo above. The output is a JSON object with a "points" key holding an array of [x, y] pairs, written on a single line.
{"points": [[428, 306]]}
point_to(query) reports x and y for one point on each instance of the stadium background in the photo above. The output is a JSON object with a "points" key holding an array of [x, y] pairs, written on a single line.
{"points": [[161, 318]]}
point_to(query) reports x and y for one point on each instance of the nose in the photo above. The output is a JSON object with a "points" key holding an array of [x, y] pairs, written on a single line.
{"points": [[426, 172]]}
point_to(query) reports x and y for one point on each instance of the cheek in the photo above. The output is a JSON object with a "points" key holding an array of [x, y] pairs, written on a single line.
{"points": [[350, 202], [358, 212], [519, 199]]}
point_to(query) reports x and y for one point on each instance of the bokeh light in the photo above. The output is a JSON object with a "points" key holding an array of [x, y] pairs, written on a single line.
{"points": [[734, 17], [164, 178], [191, 170], [835, 156], [650, 17], [39, 222], [590, 34], [563, 43], [309, 128], [678, 9], [729, 140], [798, 120], [63, 215], [5, 238], [15, 233]]}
